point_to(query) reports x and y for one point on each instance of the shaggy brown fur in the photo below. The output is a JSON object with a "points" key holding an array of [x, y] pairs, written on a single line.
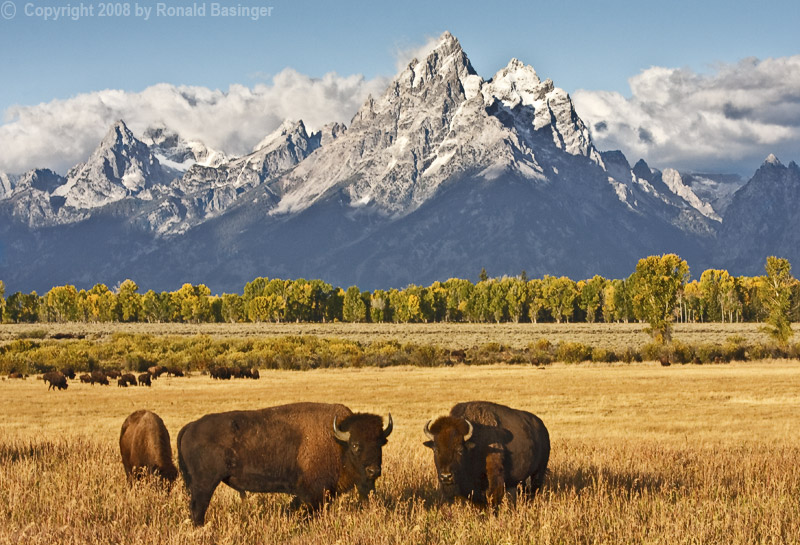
{"points": [[145, 448], [507, 447], [98, 377], [144, 379], [290, 449], [56, 379]]}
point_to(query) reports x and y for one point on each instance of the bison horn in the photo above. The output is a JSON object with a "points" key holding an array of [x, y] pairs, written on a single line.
{"points": [[388, 429], [340, 435], [469, 433], [427, 430]]}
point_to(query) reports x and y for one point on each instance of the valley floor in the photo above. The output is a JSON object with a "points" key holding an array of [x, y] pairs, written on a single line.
{"points": [[640, 454]]}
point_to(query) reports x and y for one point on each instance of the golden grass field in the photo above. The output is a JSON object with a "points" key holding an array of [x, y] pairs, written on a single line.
{"points": [[640, 454], [447, 335]]}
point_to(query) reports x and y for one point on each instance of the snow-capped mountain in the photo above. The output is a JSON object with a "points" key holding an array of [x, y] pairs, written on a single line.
{"points": [[442, 174], [120, 167]]}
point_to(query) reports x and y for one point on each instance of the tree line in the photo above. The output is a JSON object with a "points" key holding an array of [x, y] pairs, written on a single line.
{"points": [[659, 289]]}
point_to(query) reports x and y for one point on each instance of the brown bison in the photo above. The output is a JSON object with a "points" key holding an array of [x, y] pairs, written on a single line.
{"points": [[86, 378], [69, 372], [309, 450], [129, 378], [98, 377], [56, 379], [156, 371], [113, 373], [144, 379], [15, 374], [483, 450], [145, 448], [220, 373]]}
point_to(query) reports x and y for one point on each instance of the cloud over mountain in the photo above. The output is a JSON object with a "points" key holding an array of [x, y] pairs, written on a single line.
{"points": [[61, 133], [728, 119]]}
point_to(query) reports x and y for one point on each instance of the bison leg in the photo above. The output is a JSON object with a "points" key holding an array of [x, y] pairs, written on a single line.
{"points": [[201, 496], [495, 476]]}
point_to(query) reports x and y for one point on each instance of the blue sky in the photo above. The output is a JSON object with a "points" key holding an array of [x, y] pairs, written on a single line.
{"points": [[593, 45]]}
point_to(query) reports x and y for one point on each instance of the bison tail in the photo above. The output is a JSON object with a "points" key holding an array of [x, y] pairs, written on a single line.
{"points": [[187, 479]]}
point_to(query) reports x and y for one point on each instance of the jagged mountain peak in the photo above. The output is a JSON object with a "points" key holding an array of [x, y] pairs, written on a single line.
{"points": [[289, 129], [772, 160]]}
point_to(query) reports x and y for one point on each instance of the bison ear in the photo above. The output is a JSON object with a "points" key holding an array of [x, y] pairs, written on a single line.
{"points": [[469, 444], [428, 444]]}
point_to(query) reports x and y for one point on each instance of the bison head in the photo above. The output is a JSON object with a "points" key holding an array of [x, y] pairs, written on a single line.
{"points": [[449, 438], [362, 436]]}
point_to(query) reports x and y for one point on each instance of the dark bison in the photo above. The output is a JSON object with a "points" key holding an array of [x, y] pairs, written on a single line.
{"points": [[483, 450], [98, 377], [14, 374], [122, 383], [145, 448], [86, 378], [56, 380], [113, 373], [254, 374], [156, 371], [144, 379], [220, 373], [309, 450], [129, 378], [174, 371], [69, 372]]}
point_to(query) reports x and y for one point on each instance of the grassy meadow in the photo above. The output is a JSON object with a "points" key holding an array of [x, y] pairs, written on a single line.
{"points": [[640, 454]]}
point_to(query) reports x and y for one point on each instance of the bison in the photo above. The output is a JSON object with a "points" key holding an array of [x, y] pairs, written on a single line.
{"points": [[86, 378], [145, 448], [144, 379], [483, 450], [129, 378], [220, 373], [98, 377], [69, 372], [174, 371], [15, 374], [56, 379], [309, 450], [113, 373], [156, 371]]}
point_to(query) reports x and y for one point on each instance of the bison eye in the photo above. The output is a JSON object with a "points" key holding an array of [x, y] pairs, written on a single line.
{"points": [[356, 447]]}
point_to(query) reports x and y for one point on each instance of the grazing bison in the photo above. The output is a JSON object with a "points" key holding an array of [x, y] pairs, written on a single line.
{"points": [[17, 375], [144, 379], [220, 373], [69, 372], [483, 450], [56, 380], [113, 373], [98, 377], [174, 371], [156, 371], [309, 450], [86, 378], [144, 445], [254, 374], [122, 383], [129, 378]]}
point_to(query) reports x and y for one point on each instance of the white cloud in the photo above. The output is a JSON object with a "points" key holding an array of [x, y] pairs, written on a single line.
{"points": [[404, 55], [61, 133], [729, 119]]}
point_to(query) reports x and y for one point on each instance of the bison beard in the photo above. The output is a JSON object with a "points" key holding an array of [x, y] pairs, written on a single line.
{"points": [[483, 450], [145, 448], [309, 450]]}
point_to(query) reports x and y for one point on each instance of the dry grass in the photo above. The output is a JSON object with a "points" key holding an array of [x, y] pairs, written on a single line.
{"points": [[448, 335], [641, 454]]}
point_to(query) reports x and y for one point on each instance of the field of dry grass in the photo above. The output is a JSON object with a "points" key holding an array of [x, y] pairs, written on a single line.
{"points": [[640, 454], [447, 335]]}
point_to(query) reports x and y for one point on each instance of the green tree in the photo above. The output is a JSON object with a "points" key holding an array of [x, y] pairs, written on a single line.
{"points": [[61, 304], [130, 302], [655, 285], [536, 302], [776, 294], [354, 309], [23, 307], [232, 310], [517, 298], [591, 296], [379, 309], [458, 292], [559, 295]]}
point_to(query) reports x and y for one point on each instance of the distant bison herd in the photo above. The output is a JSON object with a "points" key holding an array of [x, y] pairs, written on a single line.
{"points": [[482, 452], [57, 380]]}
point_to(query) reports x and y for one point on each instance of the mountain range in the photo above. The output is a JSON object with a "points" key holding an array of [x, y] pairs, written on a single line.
{"points": [[443, 174]]}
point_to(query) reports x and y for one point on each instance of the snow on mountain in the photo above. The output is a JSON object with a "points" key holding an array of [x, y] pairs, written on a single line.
{"points": [[174, 152], [7, 184], [121, 166], [674, 182]]}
